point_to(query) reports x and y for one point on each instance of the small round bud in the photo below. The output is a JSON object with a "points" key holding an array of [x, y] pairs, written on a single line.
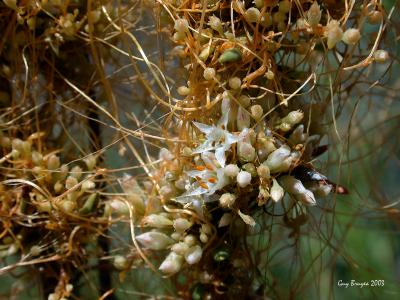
{"points": [[256, 112], [183, 90], [181, 25], [209, 73], [351, 36], [235, 83], [227, 199], [243, 179], [381, 56], [270, 75], [120, 262], [231, 170], [252, 14]]}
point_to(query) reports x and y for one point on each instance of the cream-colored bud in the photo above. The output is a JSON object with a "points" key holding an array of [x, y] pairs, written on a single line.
{"points": [[70, 182], [351, 36], [243, 179], [381, 56], [227, 200], [172, 264], [270, 75], [276, 191], [53, 162], [209, 73], [156, 220], [90, 161], [256, 112], [252, 14], [180, 248], [190, 239], [334, 33], [182, 224], [314, 14], [183, 90], [154, 240], [231, 170], [276, 161], [120, 262], [293, 118], [193, 255], [235, 83], [87, 185], [246, 152]]}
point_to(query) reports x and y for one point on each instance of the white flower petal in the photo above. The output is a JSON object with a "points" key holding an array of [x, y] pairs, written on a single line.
{"points": [[204, 128]]}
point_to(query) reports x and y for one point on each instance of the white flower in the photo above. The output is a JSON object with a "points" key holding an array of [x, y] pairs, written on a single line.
{"points": [[218, 137], [209, 179]]}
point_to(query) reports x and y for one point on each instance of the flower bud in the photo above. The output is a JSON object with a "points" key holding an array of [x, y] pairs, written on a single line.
{"points": [[351, 36], [227, 200], [180, 248], [381, 56], [172, 264], [246, 152], [252, 14], [154, 240], [314, 14], [263, 172], [235, 83], [276, 191], [296, 188], [183, 90], [190, 239], [181, 224], [256, 112], [294, 117], [156, 220], [209, 73], [193, 255], [334, 33], [53, 162], [276, 160], [243, 179], [120, 262], [231, 170]]}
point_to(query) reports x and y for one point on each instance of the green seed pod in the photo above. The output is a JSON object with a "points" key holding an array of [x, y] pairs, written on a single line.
{"points": [[230, 55], [89, 206]]}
